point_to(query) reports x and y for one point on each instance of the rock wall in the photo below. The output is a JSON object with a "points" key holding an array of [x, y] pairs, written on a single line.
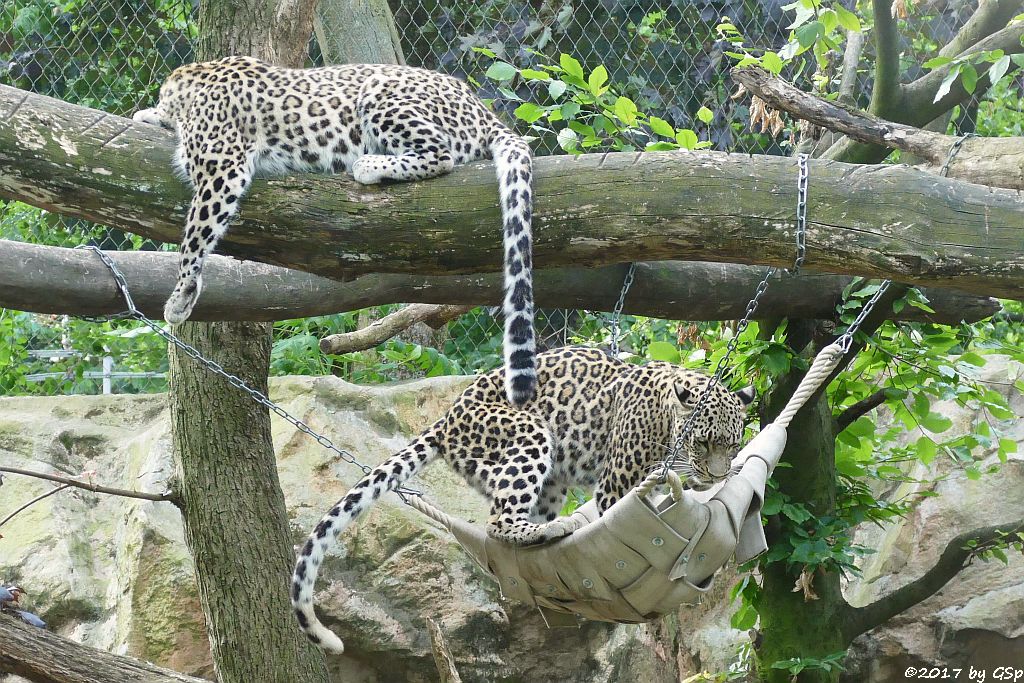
{"points": [[115, 573]]}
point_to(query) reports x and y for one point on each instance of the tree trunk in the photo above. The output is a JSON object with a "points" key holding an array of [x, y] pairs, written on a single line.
{"points": [[791, 626], [357, 32], [236, 523]]}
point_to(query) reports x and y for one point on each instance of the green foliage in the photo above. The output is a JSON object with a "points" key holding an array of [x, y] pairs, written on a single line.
{"points": [[829, 663], [585, 111], [993, 64]]}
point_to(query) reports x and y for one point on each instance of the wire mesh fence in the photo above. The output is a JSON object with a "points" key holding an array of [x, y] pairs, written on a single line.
{"points": [[113, 55]]}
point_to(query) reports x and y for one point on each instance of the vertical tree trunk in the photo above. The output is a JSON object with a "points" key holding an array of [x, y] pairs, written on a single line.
{"points": [[357, 32], [236, 524], [789, 625]]}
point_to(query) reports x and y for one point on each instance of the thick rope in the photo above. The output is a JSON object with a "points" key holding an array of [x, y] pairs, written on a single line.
{"points": [[429, 510], [823, 365]]}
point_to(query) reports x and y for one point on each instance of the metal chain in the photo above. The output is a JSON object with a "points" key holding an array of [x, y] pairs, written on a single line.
{"points": [[953, 149], [215, 367], [845, 340], [803, 179], [801, 215], [680, 442], [617, 313]]}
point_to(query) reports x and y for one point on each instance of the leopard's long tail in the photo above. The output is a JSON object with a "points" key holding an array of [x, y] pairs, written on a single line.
{"points": [[388, 476], [515, 185]]}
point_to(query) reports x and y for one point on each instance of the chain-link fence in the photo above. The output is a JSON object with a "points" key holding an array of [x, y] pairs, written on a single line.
{"points": [[113, 54]]}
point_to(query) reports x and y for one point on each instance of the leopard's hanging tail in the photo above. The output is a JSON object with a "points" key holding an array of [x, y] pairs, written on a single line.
{"points": [[388, 476], [514, 168]]}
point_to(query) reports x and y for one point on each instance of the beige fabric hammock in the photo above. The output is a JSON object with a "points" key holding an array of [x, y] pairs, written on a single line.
{"points": [[650, 552]]}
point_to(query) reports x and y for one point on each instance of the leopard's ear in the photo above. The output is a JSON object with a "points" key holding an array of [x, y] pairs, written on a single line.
{"points": [[746, 395], [687, 393]]}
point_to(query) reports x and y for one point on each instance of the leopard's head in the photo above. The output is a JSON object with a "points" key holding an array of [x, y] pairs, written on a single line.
{"points": [[717, 432]]}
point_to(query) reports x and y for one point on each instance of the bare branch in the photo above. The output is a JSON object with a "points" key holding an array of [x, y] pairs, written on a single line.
{"points": [[45, 657], [391, 325], [886, 92], [42, 496], [95, 488], [953, 559], [74, 282], [862, 407], [995, 162], [442, 654]]}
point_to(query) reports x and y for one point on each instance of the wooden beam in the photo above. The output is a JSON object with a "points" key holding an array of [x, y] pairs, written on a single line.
{"points": [[592, 210], [70, 281]]}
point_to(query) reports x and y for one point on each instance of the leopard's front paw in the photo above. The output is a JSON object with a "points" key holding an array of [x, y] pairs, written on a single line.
{"points": [[150, 116], [558, 528]]}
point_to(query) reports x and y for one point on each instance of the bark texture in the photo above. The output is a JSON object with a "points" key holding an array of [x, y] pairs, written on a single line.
{"points": [[44, 657], [369, 35], [58, 281], [888, 221]]}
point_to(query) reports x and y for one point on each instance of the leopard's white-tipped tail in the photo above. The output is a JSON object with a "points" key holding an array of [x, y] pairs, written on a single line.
{"points": [[514, 167], [388, 476]]}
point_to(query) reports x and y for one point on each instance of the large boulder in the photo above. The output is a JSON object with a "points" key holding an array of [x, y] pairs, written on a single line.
{"points": [[115, 573]]}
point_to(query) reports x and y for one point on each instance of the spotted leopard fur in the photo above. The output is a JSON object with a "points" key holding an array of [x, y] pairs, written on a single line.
{"points": [[596, 422], [239, 117]]}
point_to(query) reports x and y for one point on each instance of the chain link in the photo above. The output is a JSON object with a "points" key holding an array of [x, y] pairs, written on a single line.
{"points": [[801, 215], [218, 369], [716, 378], [845, 340], [617, 313], [953, 149]]}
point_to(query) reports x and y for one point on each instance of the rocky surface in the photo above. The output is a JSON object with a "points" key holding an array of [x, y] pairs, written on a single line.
{"points": [[114, 573]]}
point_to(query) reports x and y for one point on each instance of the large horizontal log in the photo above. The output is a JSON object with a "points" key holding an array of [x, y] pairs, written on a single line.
{"points": [[75, 282], [591, 210], [42, 656], [996, 162]]}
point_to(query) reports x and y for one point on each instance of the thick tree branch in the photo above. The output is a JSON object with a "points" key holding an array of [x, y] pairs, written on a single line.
{"points": [[996, 162], [954, 558], [90, 486], [44, 657], [391, 325], [67, 281], [862, 407], [991, 16], [591, 210], [885, 94], [917, 106]]}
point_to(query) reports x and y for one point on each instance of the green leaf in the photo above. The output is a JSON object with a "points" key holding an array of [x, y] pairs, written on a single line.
{"points": [[705, 115], [936, 62], [936, 423], [501, 71], [808, 33], [598, 77], [529, 112], [686, 138], [626, 110], [485, 51], [570, 110], [847, 19], [661, 127], [772, 62], [556, 89], [535, 75], [744, 618], [998, 70], [926, 450], [969, 76], [947, 82], [571, 66], [661, 350]]}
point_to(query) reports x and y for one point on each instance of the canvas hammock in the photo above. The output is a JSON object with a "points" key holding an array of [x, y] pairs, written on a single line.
{"points": [[650, 552]]}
